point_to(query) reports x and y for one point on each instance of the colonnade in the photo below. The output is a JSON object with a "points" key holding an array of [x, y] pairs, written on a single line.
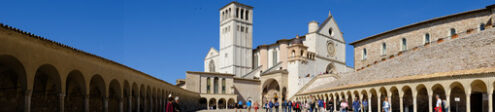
{"points": [[466, 93]]}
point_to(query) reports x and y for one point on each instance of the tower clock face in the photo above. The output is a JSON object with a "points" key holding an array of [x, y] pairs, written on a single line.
{"points": [[331, 49]]}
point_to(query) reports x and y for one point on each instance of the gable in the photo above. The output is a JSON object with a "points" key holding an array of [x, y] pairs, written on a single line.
{"points": [[335, 32], [211, 53]]}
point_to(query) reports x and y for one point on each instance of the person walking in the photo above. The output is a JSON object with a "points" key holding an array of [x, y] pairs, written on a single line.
{"points": [[255, 106], [276, 105], [365, 105], [270, 106], [438, 107], [321, 106], [266, 106], [170, 105], [386, 105], [248, 104], [284, 106], [330, 105], [445, 106], [176, 105], [343, 106], [356, 106]]}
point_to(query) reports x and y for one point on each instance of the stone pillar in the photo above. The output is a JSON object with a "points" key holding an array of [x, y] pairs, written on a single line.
{"points": [[389, 97], [121, 105], [86, 103], [105, 104], [468, 101], [361, 100], [369, 103], [27, 101], [335, 104], [401, 103], [447, 97], [129, 106], [415, 102], [62, 101], [430, 102], [137, 104], [490, 101]]}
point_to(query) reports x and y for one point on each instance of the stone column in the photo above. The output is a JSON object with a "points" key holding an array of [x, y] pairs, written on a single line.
{"points": [[129, 106], [137, 104], [490, 101], [389, 97], [27, 100], [369, 103], [86, 103], [447, 97], [430, 102], [415, 104], [121, 105], [62, 101], [468, 101], [401, 103], [105, 104], [334, 103]]}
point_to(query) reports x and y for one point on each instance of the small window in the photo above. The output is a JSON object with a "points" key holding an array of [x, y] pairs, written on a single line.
{"points": [[208, 85], [274, 56], [330, 32], [247, 15], [427, 38], [452, 32], [242, 13], [237, 13], [384, 48], [242, 28], [404, 44], [482, 26], [293, 53], [365, 54]]}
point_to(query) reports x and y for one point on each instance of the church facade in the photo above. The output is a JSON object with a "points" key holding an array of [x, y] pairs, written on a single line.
{"points": [[237, 71]]}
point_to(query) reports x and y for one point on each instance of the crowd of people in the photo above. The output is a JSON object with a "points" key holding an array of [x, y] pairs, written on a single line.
{"points": [[172, 104]]}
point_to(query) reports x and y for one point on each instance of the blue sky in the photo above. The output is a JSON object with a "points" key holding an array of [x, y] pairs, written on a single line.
{"points": [[165, 38]]}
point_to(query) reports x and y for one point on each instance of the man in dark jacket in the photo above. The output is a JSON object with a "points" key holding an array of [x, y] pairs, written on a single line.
{"points": [[176, 105]]}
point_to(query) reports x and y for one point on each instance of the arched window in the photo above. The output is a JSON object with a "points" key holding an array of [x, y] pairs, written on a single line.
{"points": [[330, 32], [330, 69], [208, 85], [452, 32], [247, 14], [211, 66], [427, 38], [404, 44], [365, 54], [384, 48], [293, 53], [223, 85], [274, 57], [242, 13], [215, 85], [302, 53], [482, 26], [237, 12]]}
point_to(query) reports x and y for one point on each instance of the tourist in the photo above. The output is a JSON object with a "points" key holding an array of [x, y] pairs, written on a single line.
{"points": [[170, 106], [386, 105], [239, 106], [321, 105], [176, 105], [356, 106], [276, 105], [248, 104], [306, 106], [365, 105], [284, 106], [266, 107], [343, 106], [330, 105], [256, 106], [445, 106], [289, 105], [438, 107], [270, 106]]}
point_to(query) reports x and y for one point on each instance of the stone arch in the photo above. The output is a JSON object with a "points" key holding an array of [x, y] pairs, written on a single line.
{"points": [[13, 78], [114, 96], [153, 99], [231, 103], [330, 69], [75, 92], [422, 98], [148, 99], [134, 96], [383, 94], [212, 103], [222, 103], [478, 91], [202, 102], [374, 100], [126, 97], [46, 89], [97, 94], [271, 90], [394, 99], [438, 90], [407, 99], [337, 100], [457, 91], [365, 96]]}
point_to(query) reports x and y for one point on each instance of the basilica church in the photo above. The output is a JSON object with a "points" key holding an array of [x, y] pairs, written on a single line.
{"points": [[239, 72]]}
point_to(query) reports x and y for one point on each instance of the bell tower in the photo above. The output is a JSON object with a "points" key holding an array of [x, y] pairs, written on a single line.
{"points": [[236, 26]]}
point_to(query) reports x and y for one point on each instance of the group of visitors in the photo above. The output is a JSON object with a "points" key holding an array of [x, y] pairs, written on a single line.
{"points": [[172, 105], [441, 105]]}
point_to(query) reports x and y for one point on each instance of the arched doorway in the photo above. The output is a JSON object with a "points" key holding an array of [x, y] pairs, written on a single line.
{"points": [[114, 96], [439, 91], [97, 94], [127, 95], [479, 96], [422, 99], [271, 90], [374, 100], [202, 103], [231, 103], [407, 99], [13, 82], [457, 92], [142, 98], [213, 103], [46, 90], [135, 95], [222, 103], [75, 92], [395, 99]]}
